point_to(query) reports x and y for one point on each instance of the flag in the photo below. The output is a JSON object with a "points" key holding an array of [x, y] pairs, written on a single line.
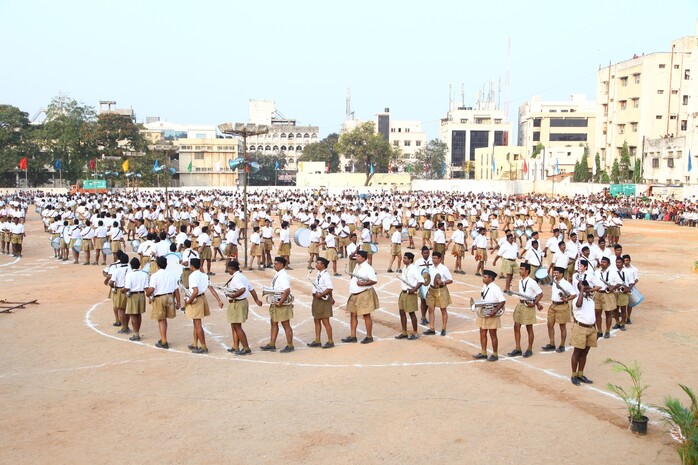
{"points": [[23, 164], [593, 167], [525, 167], [370, 169], [557, 166], [189, 167], [690, 166], [124, 165], [276, 165], [156, 166], [494, 165], [409, 168], [443, 169], [58, 165], [93, 164]]}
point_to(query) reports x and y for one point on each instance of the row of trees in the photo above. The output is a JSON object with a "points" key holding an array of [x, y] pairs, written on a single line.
{"points": [[620, 170]]}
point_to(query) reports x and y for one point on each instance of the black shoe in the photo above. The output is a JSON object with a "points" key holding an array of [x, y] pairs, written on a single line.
{"points": [[617, 326], [492, 358], [116, 323], [424, 322], [124, 331], [367, 340], [314, 344], [232, 350], [443, 332], [192, 347], [585, 380], [606, 335], [401, 336], [349, 339], [135, 337], [622, 328], [560, 349], [527, 354], [287, 349], [412, 337], [515, 353], [200, 350], [599, 335], [268, 348], [480, 357], [548, 348], [247, 351], [429, 332], [328, 345], [575, 381], [160, 345], [628, 322]]}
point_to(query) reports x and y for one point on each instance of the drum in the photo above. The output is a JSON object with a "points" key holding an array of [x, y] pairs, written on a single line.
{"points": [[405, 235], [374, 247], [386, 224], [277, 232], [543, 277], [302, 237], [635, 298], [473, 233], [529, 232], [424, 288], [77, 247], [56, 243], [106, 249], [519, 232], [135, 244], [222, 247], [600, 230]]}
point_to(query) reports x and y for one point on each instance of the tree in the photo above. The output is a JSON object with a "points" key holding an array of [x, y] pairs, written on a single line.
{"points": [[366, 149], [577, 176], [323, 151], [14, 133], [266, 176], [584, 165], [433, 156], [624, 166], [615, 172], [117, 134], [637, 171], [537, 150]]}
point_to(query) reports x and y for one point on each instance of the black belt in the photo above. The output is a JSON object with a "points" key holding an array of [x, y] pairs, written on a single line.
{"points": [[137, 292], [559, 303], [584, 325], [160, 295]]}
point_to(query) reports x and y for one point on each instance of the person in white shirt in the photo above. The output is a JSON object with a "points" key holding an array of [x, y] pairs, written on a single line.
{"points": [[460, 245], [395, 248], [559, 311], [279, 310], [533, 257], [366, 242], [322, 304], [267, 233], [163, 293], [363, 299], [411, 281], [634, 278], [605, 299], [438, 295], [440, 238], [17, 230], [216, 239], [256, 252], [285, 244], [525, 311], [424, 264], [492, 295], [426, 231], [100, 239], [196, 305], [239, 289], [116, 236], [313, 252], [583, 337], [134, 288], [509, 252], [330, 243], [352, 248], [205, 254], [622, 293], [552, 245], [232, 237], [480, 244], [87, 234], [116, 279]]}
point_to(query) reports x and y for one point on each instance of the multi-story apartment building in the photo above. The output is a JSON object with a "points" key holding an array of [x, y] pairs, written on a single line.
{"points": [[208, 159], [407, 136], [564, 128], [465, 129]]}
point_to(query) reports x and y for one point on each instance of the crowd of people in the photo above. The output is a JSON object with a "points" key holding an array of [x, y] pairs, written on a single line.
{"points": [[174, 239]]}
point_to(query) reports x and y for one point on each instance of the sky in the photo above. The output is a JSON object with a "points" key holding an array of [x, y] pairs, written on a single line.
{"points": [[201, 62]]}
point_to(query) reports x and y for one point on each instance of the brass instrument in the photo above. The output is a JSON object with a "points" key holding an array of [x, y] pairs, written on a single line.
{"points": [[608, 285], [187, 292], [273, 296], [411, 286], [563, 292], [484, 309], [526, 299], [316, 289], [349, 273], [227, 292]]}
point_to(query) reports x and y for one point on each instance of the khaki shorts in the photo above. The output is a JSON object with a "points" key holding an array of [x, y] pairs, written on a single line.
{"points": [[256, 250], [494, 234], [268, 245], [87, 245], [559, 313], [363, 303], [426, 234], [482, 253], [458, 250], [285, 249], [605, 301], [509, 266], [119, 299], [206, 254], [441, 248], [115, 246], [198, 309], [410, 232], [321, 308], [395, 250], [280, 313], [408, 303], [438, 298], [583, 337], [215, 242], [237, 311], [622, 299], [312, 249], [493, 322], [331, 254], [135, 305], [16, 239], [163, 307], [99, 243], [524, 315]]}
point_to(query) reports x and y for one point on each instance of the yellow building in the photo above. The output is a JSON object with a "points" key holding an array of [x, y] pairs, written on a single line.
{"points": [[208, 159], [508, 163]]}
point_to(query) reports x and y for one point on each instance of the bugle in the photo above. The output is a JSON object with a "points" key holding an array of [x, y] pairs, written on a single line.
{"points": [[526, 299], [485, 309], [316, 289]]}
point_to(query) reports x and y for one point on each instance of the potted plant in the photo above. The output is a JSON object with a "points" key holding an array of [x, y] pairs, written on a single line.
{"points": [[695, 266], [683, 425], [632, 396]]}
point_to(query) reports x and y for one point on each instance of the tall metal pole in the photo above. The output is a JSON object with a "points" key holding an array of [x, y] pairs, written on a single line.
{"points": [[244, 189]]}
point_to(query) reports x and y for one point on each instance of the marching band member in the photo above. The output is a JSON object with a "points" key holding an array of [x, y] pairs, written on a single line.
{"points": [[279, 311], [622, 294], [438, 295], [492, 295], [411, 281], [525, 311], [134, 288], [116, 236], [395, 248], [196, 305], [583, 337], [460, 245], [238, 308], [559, 311], [267, 233], [285, 244], [480, 244], [424, 263], [313, 252], [117, 279], [163, 292], [509, 252], [363, 299], [205, 254], [322, 308], [634, 278], [18, 235], [100, 240], [440, 239], [352, 248], [605, 299]]}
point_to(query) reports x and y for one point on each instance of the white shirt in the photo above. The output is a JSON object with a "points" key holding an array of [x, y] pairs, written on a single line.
{"points": [[285, 236], [198, 280], [162, 248], [529, 287], [240, 281], [586, 313], [533, 257], [162, 282], [589, 276], [458, 237], [281, 281], [173, 266], [323, 281], [556, 295], [480, 241], [412, 275], [439, 237], [443, 271], [118, 274], [491, 293], [204, 240], [136, 280], [509, 251], [366, 272], [610, 276]]}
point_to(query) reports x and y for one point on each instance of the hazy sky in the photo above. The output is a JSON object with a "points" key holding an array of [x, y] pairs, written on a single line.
{"points": [[201, 61]]}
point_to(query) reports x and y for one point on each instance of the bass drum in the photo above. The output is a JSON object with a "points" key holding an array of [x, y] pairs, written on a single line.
{"points": [[222, 247], [56, 243], [543, 277], [635, 298], [135, 244], [474, 233], [600, 230], [302, 237], [77, 246], [529, 233], [106, 249], [405, 234], [374, 247]]}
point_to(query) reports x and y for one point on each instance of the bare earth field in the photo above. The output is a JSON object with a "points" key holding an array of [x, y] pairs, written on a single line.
{"points": [[73, 391]]}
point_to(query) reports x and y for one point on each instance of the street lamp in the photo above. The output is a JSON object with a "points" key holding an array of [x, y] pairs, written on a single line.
{"points": [[244, 130]]}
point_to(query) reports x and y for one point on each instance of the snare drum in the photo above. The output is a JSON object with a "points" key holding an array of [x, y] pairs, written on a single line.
{"points": [[600, 230], [77, 246], [374, 247], [529, 232], [106, 249], [474, 233], [635, 298], [519, 232], [56, 243], [302, 237], [222, 248], [135, 244], [543, 277], [405, 234]]}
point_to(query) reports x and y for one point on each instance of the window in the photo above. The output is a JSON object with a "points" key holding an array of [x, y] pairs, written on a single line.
{"points": [[299, 148], [633, 127], [623, 104], [418, 143], [662, 66], [396, 143], [621, 129], [313, 136], [199, 156], [399, 129], [687, 74], [624, 81], [684, 124], [674, 92], [655, 163], [306, 136], [676, 66], [283, 135], [568, 137], [283, 148], [670, 162], [463, 120], [290, 136], [407, 129], [568, 122], [290, 148], [658, 117], [516, 156], [636, 103], [536, 136], [685, 99], [633, 150], [392, 129], [605, 109], [299, 135], [637, 78], [536, 122], [267, 147], [407, 143], [672, 117], [660, 91]]}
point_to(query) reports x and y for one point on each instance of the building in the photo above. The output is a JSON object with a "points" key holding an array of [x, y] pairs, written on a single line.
{"points": [[285, 138], [509, 163], [109, 106], [208, 159], [644, 98], [405, 135], [465, 129], [563, 128]]}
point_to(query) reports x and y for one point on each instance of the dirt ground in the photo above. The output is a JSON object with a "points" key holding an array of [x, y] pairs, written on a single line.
{"points": [[73, 391]]}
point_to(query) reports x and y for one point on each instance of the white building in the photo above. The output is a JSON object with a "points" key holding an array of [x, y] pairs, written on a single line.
{"points": [[405, 135]]}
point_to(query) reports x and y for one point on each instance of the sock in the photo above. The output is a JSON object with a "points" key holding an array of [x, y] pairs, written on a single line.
{"points": [[495, 354], [290, 344], [404, 333], [317, 340], [580, 374], [330, 341], [483, 352], [163, 341], [203, 346]]}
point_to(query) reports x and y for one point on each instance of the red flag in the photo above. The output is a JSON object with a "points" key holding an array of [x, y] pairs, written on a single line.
{"points": [[525, 167], [23, 164], [328, 166], [93, 164]]}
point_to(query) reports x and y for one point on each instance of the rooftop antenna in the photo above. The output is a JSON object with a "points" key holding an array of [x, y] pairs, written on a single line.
{"points": [[462, 95], [450, 98], [349, 113]]}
